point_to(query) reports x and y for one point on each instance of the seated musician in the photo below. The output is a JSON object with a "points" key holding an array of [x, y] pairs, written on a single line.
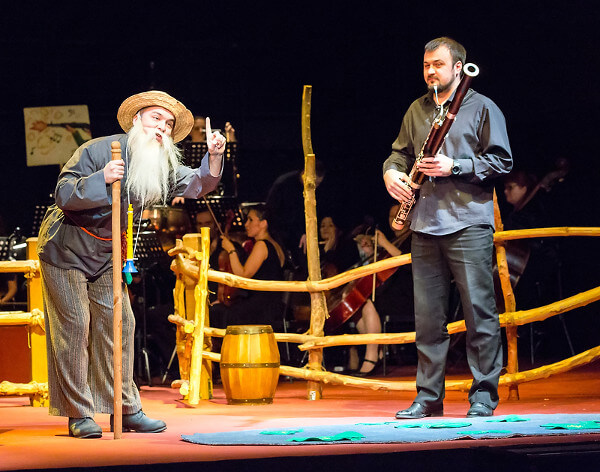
{"points": [[399, 285], [265, 262], [537, 284], [340, 252], [394, 298]]}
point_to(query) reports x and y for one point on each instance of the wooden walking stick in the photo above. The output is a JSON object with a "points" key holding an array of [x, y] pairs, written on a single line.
{"points": [[117, 301]]}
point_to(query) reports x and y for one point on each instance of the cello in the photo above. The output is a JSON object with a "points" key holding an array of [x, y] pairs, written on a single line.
{"points": [[225, 294], [344, 303]]}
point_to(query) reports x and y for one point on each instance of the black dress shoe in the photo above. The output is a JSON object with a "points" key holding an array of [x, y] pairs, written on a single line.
{"points": [[479, 409], [84, 428], [140, 423], [416, 411]]}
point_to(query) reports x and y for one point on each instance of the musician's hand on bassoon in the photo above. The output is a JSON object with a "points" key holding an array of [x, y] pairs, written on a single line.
{"points": [[438, 166], [398, 185]]}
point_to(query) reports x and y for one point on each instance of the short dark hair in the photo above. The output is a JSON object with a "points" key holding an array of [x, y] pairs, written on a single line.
{"points": [[457, 50], [521, 178]]}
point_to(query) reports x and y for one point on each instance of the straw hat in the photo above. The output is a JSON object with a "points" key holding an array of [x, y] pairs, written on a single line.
{"points": [[184, 120]]}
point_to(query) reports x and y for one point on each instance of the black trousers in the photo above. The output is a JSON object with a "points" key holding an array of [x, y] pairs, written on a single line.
{"points": [[466, 257]]}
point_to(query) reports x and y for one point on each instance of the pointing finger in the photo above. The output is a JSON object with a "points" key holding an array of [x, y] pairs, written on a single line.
{"points": [[208, 128]]}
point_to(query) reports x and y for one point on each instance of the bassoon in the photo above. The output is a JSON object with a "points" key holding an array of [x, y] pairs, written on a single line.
{"points": [[433, 143]]}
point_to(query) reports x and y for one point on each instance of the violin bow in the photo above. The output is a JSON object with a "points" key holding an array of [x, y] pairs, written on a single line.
{"points": [[213, 216], [374, 260]]}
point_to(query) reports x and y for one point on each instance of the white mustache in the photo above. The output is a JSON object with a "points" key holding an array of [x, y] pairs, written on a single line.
{"points": [[161, 134]]}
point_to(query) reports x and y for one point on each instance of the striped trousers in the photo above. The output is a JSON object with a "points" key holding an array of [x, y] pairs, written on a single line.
{"points": [[79, 336]]}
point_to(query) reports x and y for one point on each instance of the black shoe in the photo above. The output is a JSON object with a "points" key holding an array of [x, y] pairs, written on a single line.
{"points": [[140, 423], [84, 428], [479, 409], [376, 370], [416, 411]]}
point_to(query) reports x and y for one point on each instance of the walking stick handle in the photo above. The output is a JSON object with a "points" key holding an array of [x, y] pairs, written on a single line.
{"points": [[117, 300]]}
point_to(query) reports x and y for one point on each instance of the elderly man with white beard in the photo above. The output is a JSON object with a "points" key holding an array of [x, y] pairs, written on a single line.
{"points": [[75, 251]]}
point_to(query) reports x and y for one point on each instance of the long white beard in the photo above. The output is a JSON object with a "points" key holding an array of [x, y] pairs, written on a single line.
{"points": [[151, 165]]}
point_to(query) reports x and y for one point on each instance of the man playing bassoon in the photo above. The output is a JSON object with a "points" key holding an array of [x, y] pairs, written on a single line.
{"points": [[453, 225]]}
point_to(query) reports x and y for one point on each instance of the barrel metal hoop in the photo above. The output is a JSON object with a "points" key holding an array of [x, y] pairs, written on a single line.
{"points": [[244, 401], [250, 365], [248, 329]]}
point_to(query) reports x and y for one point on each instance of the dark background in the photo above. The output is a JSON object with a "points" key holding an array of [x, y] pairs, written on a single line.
{"points": [[247, 62]]}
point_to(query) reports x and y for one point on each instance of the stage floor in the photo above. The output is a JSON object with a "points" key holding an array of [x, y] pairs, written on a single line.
{"points": [[31, 439]]}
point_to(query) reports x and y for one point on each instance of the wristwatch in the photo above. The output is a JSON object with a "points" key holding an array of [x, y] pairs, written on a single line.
{"points": [[456, 168]]}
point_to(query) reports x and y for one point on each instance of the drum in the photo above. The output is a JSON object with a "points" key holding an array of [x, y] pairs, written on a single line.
{"points": [[169, 222], [249, 364]]}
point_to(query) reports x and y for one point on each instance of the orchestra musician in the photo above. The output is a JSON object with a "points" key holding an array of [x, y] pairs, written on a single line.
{"points": [[538, 283], [453, 225], [339, 252], [265, 262], [394, 297]]}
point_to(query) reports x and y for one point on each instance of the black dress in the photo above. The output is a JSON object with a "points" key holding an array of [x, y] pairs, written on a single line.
{"points": [[254, 307]]}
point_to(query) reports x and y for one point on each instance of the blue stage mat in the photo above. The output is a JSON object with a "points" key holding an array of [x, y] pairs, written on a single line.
{"points": [[408, 431]]}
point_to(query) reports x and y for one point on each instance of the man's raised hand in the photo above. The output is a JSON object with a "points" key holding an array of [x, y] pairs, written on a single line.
{"points": [[214, 140]]}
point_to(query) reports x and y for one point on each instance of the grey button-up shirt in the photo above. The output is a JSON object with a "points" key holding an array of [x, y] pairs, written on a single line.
{"points": [[478, 141]]}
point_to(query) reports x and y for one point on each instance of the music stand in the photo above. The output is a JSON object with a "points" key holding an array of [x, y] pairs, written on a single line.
{"points": [[221, 206], [4, 247], [38, 215], [149, 250], [148, 254], [193, 152]]}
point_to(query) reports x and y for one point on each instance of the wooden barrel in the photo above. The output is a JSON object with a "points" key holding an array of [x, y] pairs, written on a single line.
{"points": [[249, 364]]}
